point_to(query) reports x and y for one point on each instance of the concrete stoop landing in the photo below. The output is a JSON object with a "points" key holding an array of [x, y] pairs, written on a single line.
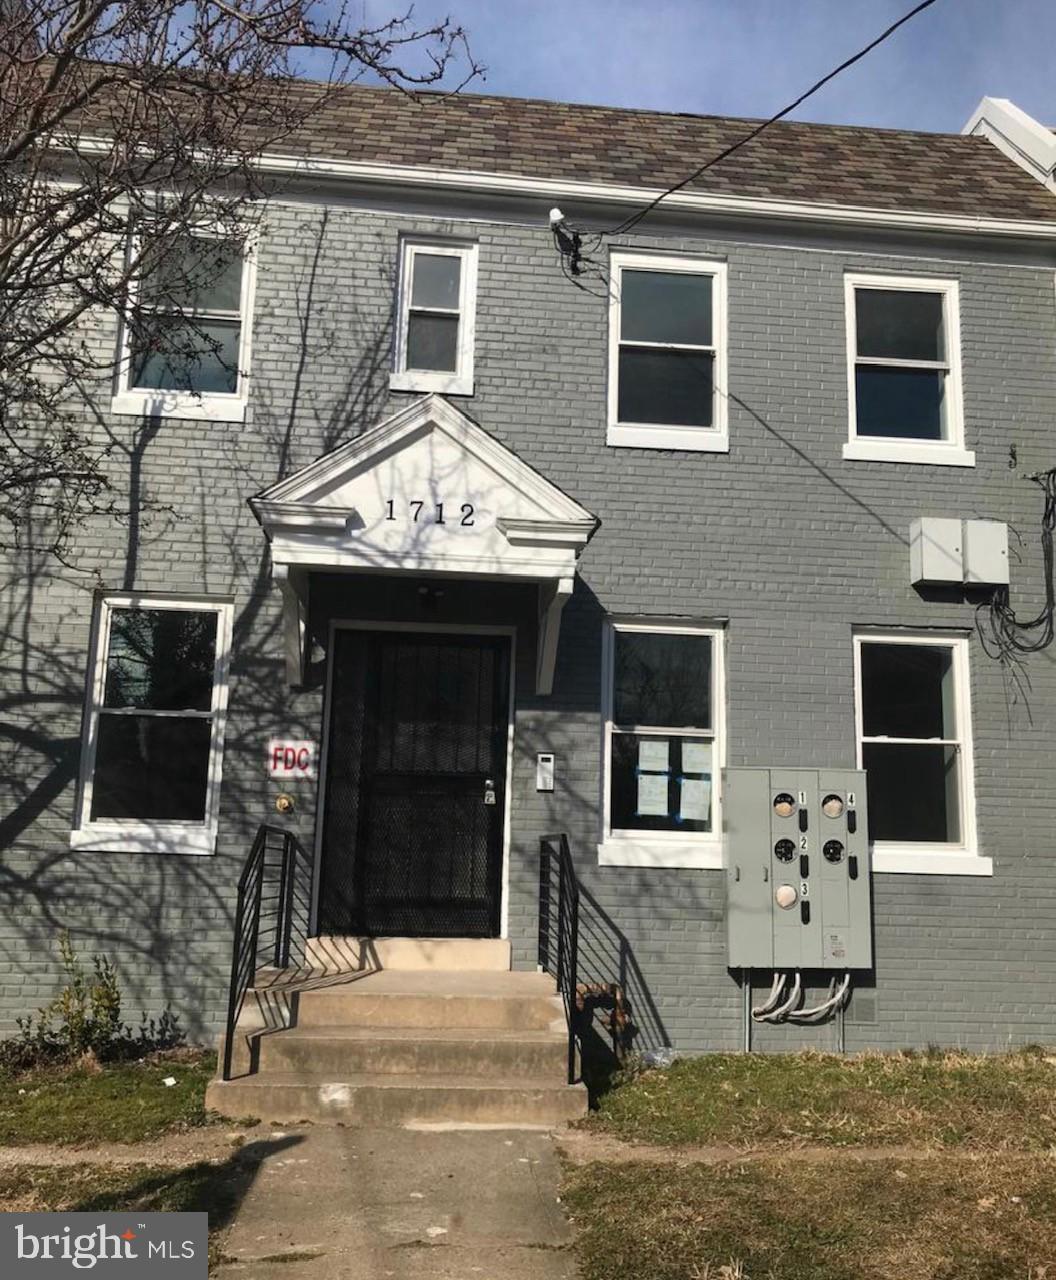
{"points": [[421, 1045]]}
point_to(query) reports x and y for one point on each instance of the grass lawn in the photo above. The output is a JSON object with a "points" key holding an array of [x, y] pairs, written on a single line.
{"points": [[123, 1102], [208, 1188], [958, 1182], [1003, 1102], [944, 1218]]}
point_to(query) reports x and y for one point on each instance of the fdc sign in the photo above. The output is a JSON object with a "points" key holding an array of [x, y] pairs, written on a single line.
{"points": [[291, 759]]}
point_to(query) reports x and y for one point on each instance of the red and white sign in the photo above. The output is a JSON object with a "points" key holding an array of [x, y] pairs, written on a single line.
{"points": [[291, 758]]}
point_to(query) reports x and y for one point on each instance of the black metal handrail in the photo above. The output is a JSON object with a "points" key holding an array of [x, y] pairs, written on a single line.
{"points": [[268, 842], [555, 862]]}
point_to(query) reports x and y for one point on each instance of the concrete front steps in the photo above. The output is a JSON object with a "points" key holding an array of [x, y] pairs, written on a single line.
{"points": [[413, 1046]]}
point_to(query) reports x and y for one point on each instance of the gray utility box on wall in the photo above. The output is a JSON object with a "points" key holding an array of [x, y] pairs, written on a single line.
{"points": [[797, 870]]}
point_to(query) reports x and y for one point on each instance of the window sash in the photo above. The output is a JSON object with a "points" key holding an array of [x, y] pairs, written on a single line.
{"points": [[645, 343], [715, 734], [465, 333], [716, 272], [668, 346], [879, 361], [204, 315], [95, 710], [959, 745], [895, 742], [681, 732], [928, 447]]}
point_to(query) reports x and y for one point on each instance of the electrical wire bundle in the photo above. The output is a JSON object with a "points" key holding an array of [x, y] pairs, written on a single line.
{"points": [[777, 1007], [1003, 636]]}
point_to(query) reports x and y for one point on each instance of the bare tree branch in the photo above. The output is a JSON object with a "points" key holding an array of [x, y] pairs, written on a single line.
{"points": [[116, 118]]}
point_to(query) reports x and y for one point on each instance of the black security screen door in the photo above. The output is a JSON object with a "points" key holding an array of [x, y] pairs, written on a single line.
{"points": [[415, 788]]}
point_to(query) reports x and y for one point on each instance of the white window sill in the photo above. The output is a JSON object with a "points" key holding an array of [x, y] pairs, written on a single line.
{"points": [[694, 439], [171, 404], [934, 455], [445, 384], [701, 855], [921, 859], [119, 838]]}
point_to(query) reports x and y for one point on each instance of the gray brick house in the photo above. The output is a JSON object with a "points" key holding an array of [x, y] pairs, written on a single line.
{"points": [[437, 514]]}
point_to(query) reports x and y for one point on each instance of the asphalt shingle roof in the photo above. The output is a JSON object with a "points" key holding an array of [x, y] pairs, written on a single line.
{"points": [[885, 169]]}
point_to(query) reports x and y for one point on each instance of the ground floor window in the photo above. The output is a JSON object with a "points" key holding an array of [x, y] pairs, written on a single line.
{"points": [[914, 739], [663, 701], [154, 725]]}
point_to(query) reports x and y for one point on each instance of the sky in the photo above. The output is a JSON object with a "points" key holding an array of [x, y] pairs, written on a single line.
{"points": [[752, 57]]}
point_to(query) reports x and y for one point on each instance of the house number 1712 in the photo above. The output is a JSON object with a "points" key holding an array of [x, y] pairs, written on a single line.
{"points": [[415, 509]]}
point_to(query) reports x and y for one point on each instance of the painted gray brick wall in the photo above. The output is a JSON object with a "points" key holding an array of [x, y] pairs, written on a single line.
{"points": [[792, 545]]}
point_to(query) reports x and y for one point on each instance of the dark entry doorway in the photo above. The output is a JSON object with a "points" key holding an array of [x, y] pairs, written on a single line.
{"points": [[415, 785]]}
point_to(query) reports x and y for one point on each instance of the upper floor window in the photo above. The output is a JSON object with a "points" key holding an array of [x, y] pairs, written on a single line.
{"points": [[915, 744], [667, 353], [154, 729], [436, 318], [904, 371], [663, 718], [185, 350]]}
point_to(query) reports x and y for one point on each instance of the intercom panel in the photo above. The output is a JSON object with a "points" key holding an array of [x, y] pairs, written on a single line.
{"points": [[797, 869]]}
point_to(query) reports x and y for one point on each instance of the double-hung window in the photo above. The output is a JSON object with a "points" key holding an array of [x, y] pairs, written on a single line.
{"points": [[436, 318], [915, 744], [186, 341], [663, 727], [904, 372], [154, 726], [667, 353]]}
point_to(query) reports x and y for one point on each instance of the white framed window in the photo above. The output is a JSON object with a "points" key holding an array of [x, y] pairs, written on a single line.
{"points": [[186, 353], [154, 726], [914, 741], [667, 353], [436, 317], [904, 371], [663, 717]]}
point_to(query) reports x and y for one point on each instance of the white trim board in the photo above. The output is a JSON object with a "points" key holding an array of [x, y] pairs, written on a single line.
{"points": [[1017, 135], [635, 197], [550, 189], [420, 628]]}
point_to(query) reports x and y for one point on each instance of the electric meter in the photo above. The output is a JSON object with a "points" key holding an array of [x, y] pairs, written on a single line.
{"points": [[832, 806], [833, 851], [784, 804]]}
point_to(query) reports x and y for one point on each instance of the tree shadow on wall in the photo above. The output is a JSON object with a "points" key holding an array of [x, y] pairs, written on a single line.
{"points": [[166, 917]]}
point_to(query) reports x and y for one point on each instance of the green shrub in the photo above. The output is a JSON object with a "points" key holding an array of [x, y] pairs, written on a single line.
{"points": [[85, 1019]]}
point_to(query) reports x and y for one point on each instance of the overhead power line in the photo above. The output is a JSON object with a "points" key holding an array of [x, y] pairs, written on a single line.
{"points": [[570, 244]]}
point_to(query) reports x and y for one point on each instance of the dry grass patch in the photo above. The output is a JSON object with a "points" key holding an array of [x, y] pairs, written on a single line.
{"points": [[950, 1217], [994, 1103], [116, 1102]]}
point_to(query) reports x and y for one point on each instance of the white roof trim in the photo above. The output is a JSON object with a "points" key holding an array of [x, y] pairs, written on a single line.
{"points": [[551, 189], [1019, 136]]}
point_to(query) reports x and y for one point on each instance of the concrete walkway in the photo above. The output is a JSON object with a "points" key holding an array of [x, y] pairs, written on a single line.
{"points": [[368, 1204]]}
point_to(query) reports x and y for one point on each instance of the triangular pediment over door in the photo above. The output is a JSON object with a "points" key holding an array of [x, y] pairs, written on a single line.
{"points": [[426, 491]]}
